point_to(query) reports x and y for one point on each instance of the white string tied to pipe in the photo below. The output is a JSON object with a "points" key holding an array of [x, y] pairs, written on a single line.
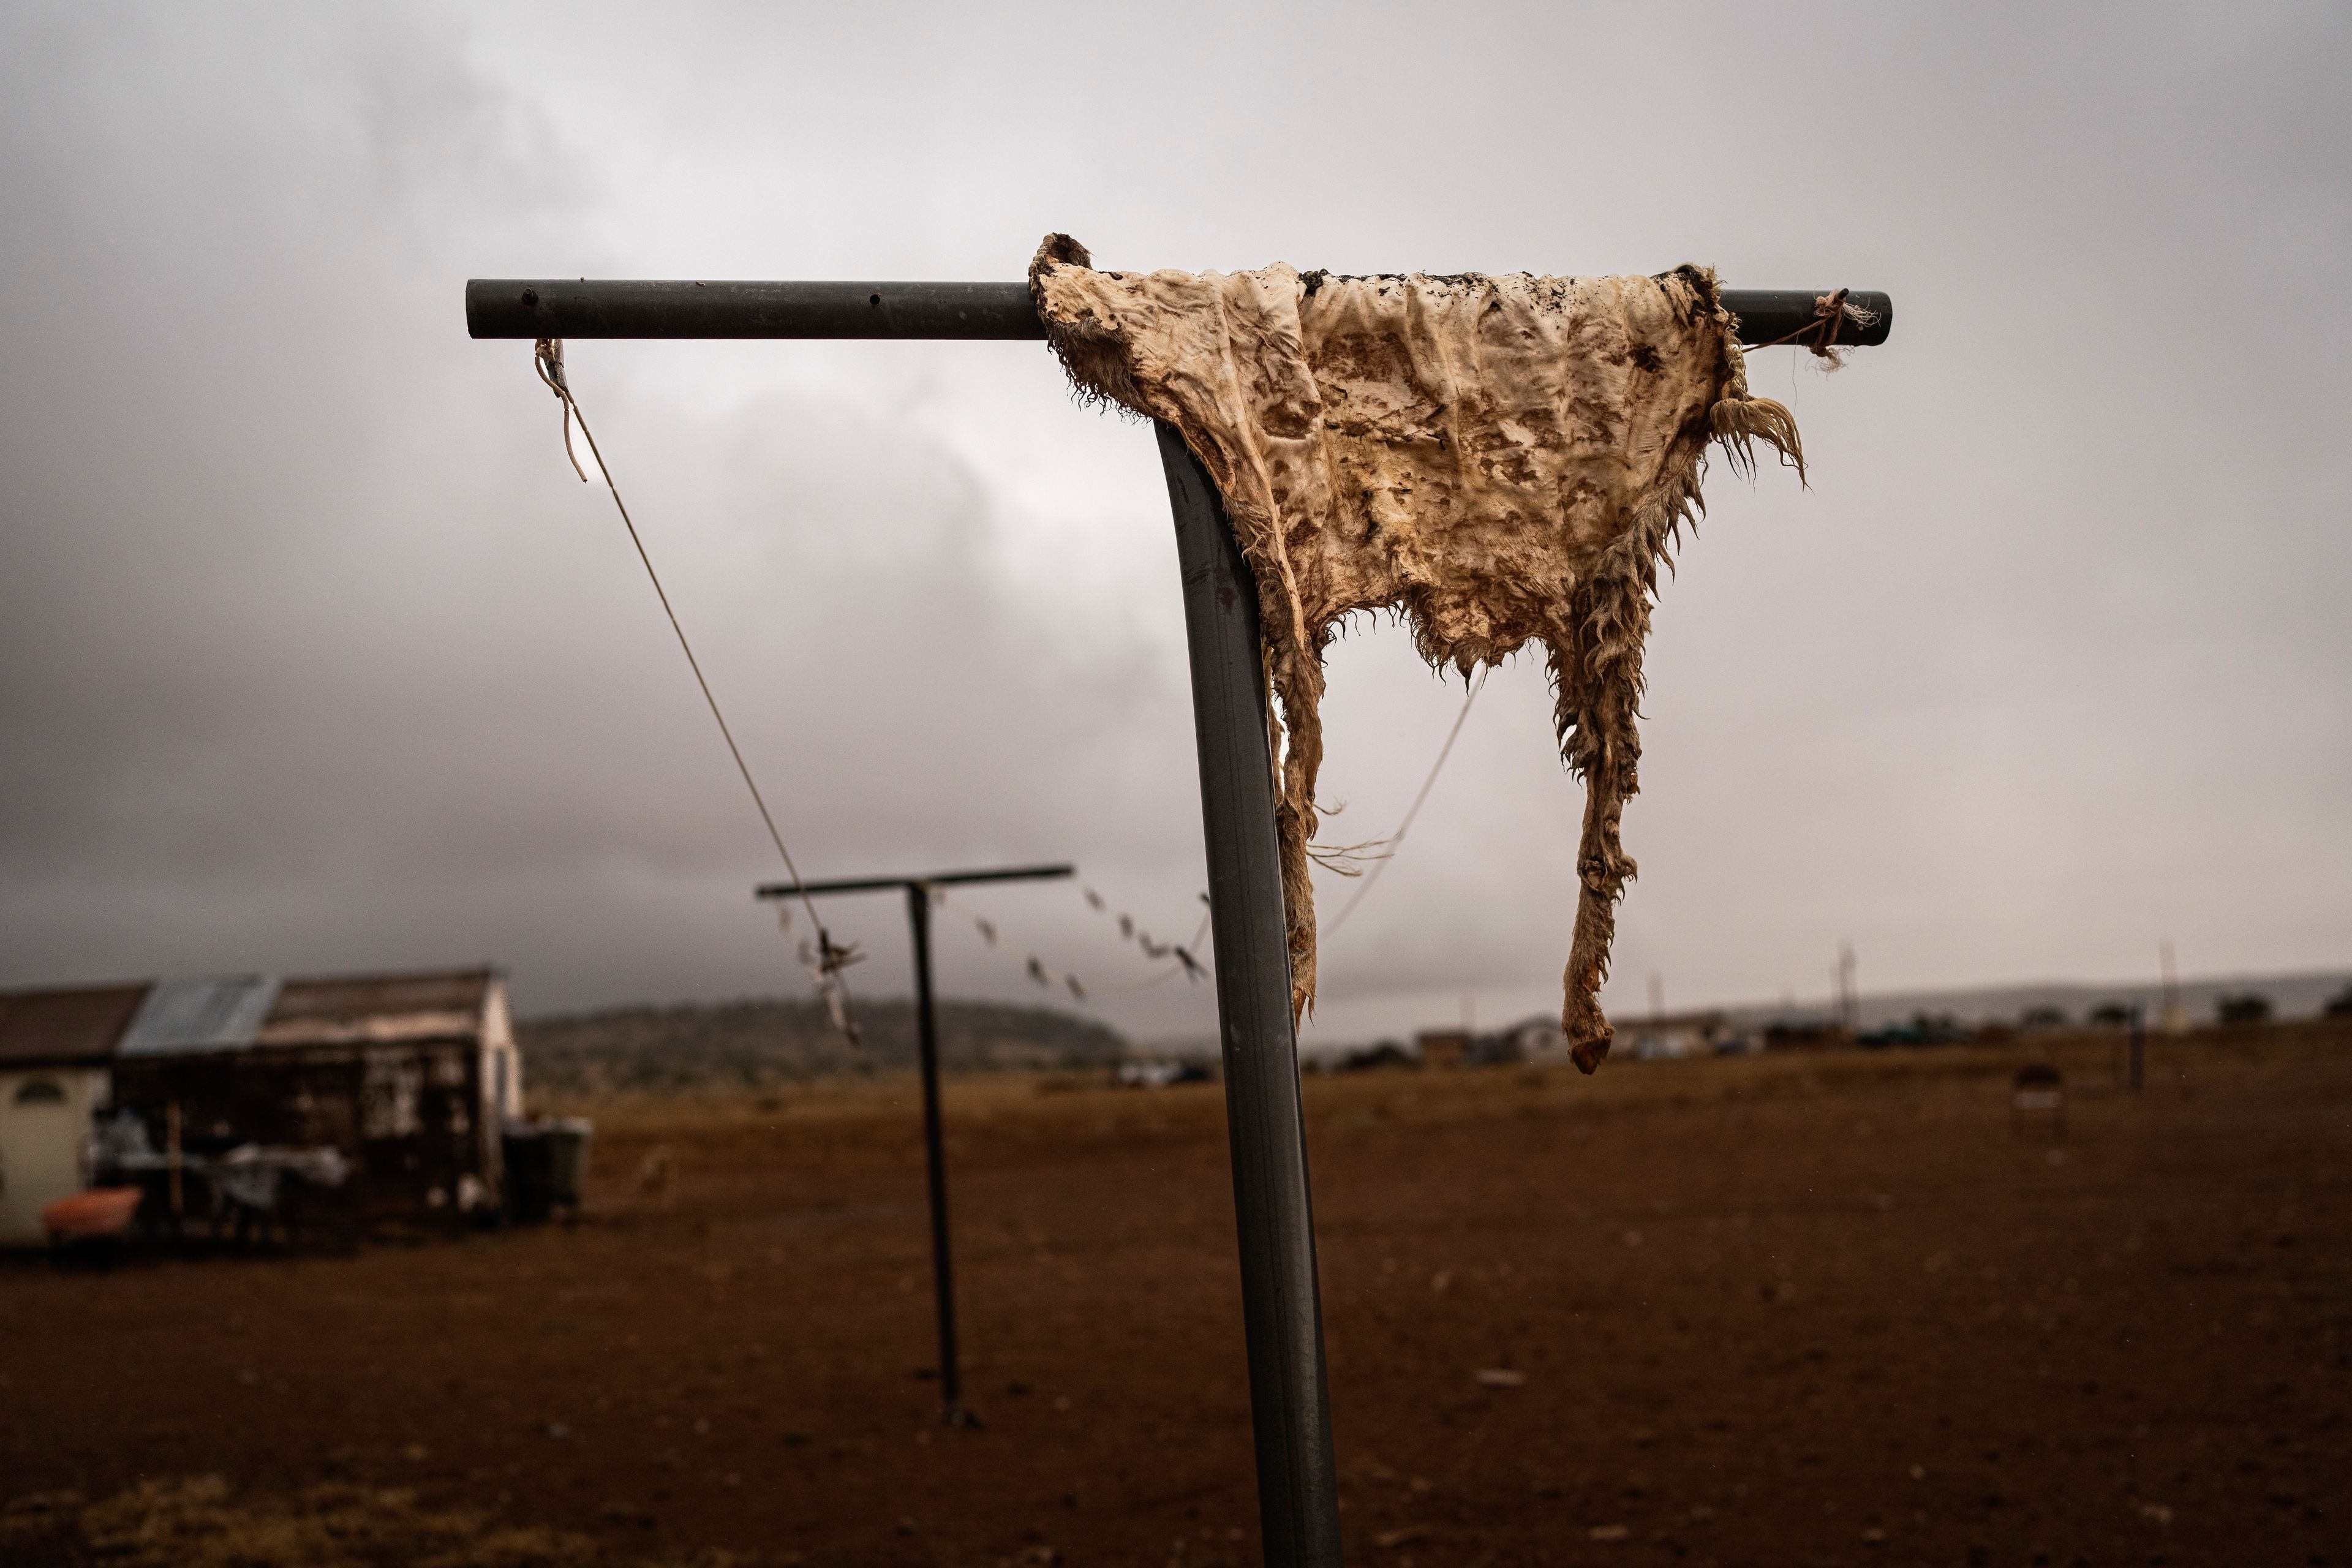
{"points": [[828, 959]]}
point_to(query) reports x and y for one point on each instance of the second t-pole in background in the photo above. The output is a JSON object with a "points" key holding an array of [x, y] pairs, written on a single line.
{"points": [[926, 1040]]}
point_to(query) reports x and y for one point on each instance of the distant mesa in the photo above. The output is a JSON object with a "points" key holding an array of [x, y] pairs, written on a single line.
{"points": [[749, 1044]]}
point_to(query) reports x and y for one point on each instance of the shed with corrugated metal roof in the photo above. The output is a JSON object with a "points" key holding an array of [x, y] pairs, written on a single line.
{"points": [[408, 1078]]}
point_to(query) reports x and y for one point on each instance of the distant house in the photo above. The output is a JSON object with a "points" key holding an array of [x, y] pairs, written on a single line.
{"points": [[1799, 1031], [1663, 1036], [1540, 1039], [393, 1089], [1537, 1039], [1442, 1047]]}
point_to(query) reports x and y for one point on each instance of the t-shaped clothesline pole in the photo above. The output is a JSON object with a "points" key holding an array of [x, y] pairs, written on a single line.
{"points": [[927, 1042], [1290, 1407]]}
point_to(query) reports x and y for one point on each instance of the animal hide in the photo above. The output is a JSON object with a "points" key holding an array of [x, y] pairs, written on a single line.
{"points": [[1500, 461]]}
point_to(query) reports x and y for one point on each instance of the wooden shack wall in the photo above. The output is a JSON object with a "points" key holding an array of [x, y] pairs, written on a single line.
{"points": [[411, 1116]]}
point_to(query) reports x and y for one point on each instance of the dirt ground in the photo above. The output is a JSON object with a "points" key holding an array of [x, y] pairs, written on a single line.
{"points": [[1812, 1309]]}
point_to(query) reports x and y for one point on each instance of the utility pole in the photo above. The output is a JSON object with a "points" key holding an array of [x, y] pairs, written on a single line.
{"points": [[926, 1040], [2174, 1019]]}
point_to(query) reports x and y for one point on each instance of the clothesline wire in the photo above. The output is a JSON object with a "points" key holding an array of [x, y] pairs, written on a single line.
{"points": [[1396, 840], [1173, 970], [547, 359], [1034, 967], [1044, 974], [1130, 930]]}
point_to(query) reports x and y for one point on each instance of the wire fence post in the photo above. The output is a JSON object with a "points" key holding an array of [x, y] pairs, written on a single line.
{"points": [[1290, 1403]]}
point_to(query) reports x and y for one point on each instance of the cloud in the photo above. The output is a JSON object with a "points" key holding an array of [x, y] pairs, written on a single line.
{"points": [[314, 653]]}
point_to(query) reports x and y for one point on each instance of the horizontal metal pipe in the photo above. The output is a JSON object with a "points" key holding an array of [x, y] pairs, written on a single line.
{"points": [[1774, 315], [936, 879], [641, 308], [650, 307]]}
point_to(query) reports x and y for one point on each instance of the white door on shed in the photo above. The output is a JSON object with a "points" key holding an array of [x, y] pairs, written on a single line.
{"points": [[42, 1119]]}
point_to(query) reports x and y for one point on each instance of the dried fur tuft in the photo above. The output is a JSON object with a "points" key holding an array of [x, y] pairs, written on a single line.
{"points": [[1740, 423]]}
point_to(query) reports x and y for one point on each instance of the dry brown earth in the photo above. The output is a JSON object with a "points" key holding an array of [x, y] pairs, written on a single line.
{"points": [[1828, 1309]]}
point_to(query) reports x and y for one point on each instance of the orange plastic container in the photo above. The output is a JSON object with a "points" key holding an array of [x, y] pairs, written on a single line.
{"points": [[100, 1212]]}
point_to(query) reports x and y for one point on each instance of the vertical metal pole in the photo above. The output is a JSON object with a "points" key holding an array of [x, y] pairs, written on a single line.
{"points": [[927, 1037], [2138, 1049], [1290, 1403], [171, 1147]]}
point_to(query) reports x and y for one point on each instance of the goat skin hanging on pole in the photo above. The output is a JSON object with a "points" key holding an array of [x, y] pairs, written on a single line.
{"points": [[1499, 460]]}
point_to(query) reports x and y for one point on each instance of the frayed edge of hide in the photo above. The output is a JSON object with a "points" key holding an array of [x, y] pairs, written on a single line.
{"points": [[1599, 683], [1088, 348], [1597, 674], [1740, 422], [1294, 668], [1093, 353]]}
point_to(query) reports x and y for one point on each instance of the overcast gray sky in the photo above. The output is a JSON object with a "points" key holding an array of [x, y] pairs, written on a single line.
{"points": [[314, 653]]}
